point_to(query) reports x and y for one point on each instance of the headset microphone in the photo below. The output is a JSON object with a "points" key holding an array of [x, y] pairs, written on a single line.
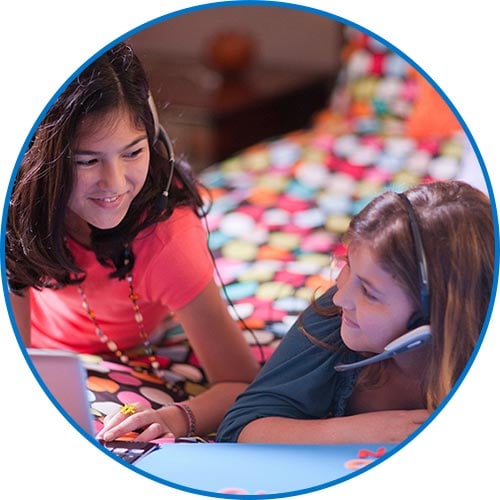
{"points": [[171, 159], [407, 342]]}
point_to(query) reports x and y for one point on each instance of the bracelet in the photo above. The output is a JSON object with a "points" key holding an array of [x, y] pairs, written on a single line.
{"points": [[191, 420]]}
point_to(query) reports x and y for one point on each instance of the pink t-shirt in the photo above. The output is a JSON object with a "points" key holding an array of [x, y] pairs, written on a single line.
{"points": [[172, 266]]}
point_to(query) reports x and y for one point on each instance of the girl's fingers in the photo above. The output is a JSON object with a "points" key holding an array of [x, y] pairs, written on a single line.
{"points": [[153, 431], [127, 413]]}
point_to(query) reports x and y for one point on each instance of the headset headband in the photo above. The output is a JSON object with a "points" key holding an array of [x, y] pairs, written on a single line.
{"points": [[421, 260], [161, 135]]}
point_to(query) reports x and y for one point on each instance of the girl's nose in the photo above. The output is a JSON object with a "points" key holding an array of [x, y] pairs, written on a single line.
{"points": [[112, 176], [342, 296]]}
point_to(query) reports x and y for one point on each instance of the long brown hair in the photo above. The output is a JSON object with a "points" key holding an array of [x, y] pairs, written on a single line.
{"points": [[36, 255], [456, 226]]}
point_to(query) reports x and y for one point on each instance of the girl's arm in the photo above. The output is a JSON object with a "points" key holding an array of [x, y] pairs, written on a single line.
{"points": [[21, 310], [391, 426], [226, 359], [217, 339], [223, 353]]}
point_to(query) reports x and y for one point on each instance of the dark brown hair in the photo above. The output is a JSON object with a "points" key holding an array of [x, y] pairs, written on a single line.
{"points": [[36, 255]]}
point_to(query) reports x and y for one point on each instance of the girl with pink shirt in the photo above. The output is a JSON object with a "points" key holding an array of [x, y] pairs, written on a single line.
{"points": [[105, 242]]}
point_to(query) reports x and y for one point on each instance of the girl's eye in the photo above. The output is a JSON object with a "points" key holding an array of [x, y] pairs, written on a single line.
{"points": [[134, 154], [369, 295], [85, 163]]}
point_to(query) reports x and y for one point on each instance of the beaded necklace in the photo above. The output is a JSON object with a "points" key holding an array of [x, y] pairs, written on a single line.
{"points": [[110, 344]]}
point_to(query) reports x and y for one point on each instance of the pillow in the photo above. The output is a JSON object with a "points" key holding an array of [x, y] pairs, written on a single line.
{"points": [[431, 116], [379, 92], [376, 89]]}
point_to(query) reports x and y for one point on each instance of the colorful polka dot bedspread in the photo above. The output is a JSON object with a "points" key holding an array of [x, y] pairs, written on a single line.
{"points": [[279, 210], [277, 217]]}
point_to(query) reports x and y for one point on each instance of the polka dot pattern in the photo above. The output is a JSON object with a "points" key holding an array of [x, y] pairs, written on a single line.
{"points": [[279, 211]]}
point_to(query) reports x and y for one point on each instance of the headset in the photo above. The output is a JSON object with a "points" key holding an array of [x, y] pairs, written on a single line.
{"points": [[419, 330], [162, 136]]}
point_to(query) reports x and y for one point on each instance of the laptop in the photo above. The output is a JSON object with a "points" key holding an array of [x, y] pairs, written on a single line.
{"points": [[64, 377]]}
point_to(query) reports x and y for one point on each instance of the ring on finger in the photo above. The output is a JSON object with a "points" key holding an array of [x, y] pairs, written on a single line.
{"points": [[128, 409]]}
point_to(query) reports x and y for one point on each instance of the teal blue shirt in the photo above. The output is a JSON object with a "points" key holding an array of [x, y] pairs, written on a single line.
{"points": [[299, 380]]}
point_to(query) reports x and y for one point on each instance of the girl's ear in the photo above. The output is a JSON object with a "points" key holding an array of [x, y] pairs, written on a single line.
{"points": [[416, 319]]}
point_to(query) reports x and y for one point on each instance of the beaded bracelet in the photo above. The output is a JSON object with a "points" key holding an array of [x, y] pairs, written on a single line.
{"points": [[190, 417]]}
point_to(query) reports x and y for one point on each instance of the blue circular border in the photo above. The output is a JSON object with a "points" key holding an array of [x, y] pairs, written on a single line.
{"points": [[345, 22]]}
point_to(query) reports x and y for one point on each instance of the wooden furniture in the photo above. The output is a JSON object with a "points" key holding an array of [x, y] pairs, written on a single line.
{"points": [[209, 118]]}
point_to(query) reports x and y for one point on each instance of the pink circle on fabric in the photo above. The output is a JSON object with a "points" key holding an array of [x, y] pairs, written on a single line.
{"points": [[322, 141], [317, 242], [229, 268], [292, 204], [268, 314], [132, 397], [124, 378], [193, 360], [293, 279], [116, 366], [378, 175], [213, 221], [156, 395], [261, 337], [253, 211], [293, 229], [263, 350], [188, 371]]}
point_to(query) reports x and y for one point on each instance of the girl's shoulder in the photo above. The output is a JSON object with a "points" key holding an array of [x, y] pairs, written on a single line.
{"points": [[182, 222], [181, 239]]}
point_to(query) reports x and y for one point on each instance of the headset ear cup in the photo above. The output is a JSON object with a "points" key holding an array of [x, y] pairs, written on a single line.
{"points": [[161, 202], [416, 319]]}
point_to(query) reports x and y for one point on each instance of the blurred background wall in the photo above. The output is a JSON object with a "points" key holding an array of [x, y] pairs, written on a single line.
{"points": [[226, 77], [283, 36]]}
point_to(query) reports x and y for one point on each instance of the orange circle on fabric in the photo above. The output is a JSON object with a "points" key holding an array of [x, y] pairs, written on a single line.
{"points": [[265, 197], [253, 323], [317, 282], [98, 384], [267, 252]]}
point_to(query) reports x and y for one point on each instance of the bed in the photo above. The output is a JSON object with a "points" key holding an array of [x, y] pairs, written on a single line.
{"points": [[279, 209]]}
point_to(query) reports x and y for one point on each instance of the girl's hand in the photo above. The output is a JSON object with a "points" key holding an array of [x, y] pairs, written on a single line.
{"points": [[147, 422]]}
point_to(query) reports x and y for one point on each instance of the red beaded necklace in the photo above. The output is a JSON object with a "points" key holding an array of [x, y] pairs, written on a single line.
{"points": [[110, 344]]}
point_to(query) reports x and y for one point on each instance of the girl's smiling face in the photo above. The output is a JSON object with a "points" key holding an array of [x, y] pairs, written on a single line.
{"points": [[111, 161], [375, 308]]}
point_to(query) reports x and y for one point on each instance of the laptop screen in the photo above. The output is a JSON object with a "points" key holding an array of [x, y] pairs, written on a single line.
{"points": [[63, 375]]}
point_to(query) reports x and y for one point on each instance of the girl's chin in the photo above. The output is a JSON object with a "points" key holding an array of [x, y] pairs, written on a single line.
{"points": [[353, 339], [106, 223], [347, 339], [104, 227]]}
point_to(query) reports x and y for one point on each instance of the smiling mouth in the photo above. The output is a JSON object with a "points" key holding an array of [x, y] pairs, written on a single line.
{"points": [[349, 322], [106, 199]]}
